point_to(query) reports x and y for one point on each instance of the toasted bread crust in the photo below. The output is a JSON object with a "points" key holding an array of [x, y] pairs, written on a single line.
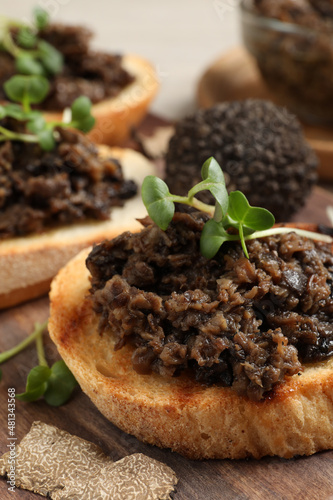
{"points": [[28, 264], [116, 116], [23, 294], [179, 413]]}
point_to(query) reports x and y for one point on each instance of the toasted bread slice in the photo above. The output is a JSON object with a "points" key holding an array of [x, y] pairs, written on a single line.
{"points": [[116, 116], [179, 413], [28, 264]]}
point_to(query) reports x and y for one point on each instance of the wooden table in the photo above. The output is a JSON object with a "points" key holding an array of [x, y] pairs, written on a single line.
{"points": [[307, 478]]}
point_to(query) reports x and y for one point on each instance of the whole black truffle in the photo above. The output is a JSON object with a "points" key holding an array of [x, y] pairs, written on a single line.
{"points": [[260, 148]]}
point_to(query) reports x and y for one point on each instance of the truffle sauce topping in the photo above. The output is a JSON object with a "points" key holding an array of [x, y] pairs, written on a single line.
{"points": [[96, 75], [40, 189], [241, 323]]}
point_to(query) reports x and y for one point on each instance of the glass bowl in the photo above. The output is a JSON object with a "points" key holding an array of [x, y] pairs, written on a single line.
{"points": [[296, 63]]}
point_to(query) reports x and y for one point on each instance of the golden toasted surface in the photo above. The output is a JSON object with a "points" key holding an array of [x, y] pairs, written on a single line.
{"points": [[27, 264], [179, 413]]}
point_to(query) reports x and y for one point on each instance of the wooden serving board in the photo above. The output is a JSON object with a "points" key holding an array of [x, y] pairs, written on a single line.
{"points": [[307, 477], [235, 76]]}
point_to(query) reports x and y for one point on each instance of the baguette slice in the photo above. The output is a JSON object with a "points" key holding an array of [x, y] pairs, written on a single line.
{"points": [[117, 115], [179, 413], [28, 264]]}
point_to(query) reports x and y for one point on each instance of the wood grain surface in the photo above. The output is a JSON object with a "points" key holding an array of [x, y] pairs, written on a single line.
{"points": [[270, 478]]}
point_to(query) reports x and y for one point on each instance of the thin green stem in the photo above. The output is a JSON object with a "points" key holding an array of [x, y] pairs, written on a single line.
{"points": [[195, 203], [59, 124], [8, 133], [16, 136], [284, 230], [40, 351], [241, 236], [26, 138], [4, 356], [11, 47], [8, 22], [26, 104], [9, 44], [233, 237]]}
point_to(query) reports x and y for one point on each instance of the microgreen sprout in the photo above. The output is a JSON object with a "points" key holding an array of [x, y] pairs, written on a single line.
{"points": [[28, 90], [55, 384], [32, 55], [232, 217]]}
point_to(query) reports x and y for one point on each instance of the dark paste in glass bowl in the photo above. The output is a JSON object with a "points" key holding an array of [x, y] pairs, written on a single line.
{"points": [[292, 42]]}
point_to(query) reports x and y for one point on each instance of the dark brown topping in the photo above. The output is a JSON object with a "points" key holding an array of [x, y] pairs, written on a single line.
{"points": [[238, 322], [260, 147], [308, 13], [295, 59], [86, 72], [40, 189]]}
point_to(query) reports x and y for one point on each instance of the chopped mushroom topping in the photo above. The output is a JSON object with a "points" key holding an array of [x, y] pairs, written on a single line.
{"points": [[237, 322]]}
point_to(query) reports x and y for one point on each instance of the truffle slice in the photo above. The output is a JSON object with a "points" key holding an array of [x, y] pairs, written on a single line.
{"points": [[260, 147], [52, 462]]}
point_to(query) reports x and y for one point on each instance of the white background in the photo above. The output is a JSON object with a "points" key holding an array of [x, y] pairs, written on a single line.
{"points": [[181, 37]]}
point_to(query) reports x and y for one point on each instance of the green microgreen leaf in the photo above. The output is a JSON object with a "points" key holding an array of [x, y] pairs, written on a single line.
{"points": [[84, 125], [14, 111], [55, 384], [213, 181], [81, 108], [27, 65], [241, 222], [37, 124], [81, 117], [60, 385], [26, 38], [231, 212], [158, 201], [51, 59], [31, 89], [241, 211], [212, 238], [46, 139], [2, 112], [41, 18], [34, 59], [36, 384], [32, 55]]}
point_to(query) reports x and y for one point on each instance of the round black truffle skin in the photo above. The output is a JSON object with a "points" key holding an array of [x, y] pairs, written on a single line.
{"points": [[260, 147]]}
